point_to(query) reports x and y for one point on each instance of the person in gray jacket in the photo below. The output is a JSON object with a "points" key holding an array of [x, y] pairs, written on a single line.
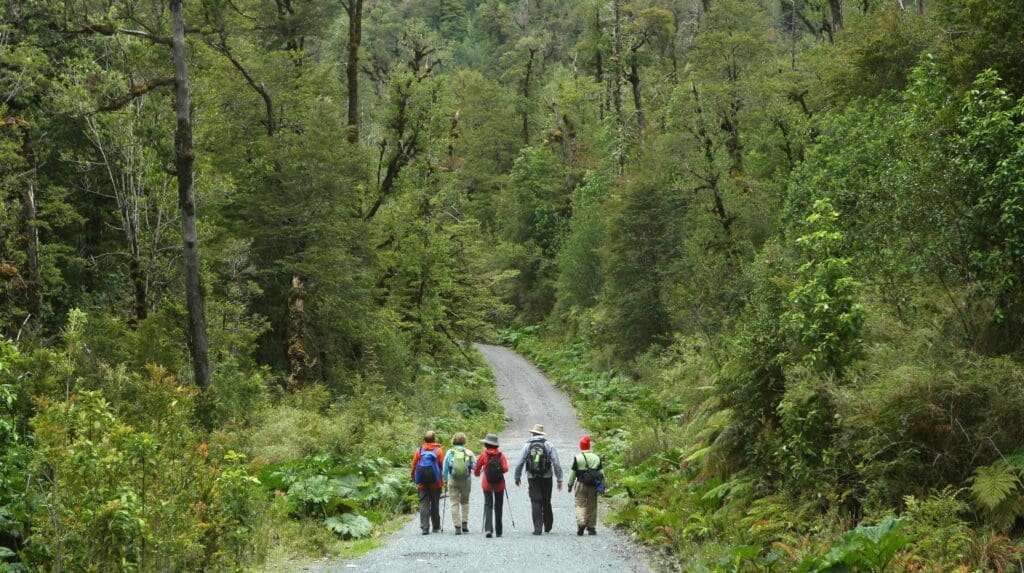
{"points": [[540, 459]]}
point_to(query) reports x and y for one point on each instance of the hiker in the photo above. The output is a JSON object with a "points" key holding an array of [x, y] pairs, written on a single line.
{"points": [[586, 467], [540, 459], [494, 466], [458, 467], [426, 472]]}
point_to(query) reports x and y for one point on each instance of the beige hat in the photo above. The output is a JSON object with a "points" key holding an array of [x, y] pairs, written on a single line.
{"points": [[490, 440], [538, 430]]}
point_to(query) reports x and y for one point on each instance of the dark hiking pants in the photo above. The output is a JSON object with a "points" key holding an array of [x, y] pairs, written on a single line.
{"points": [[430, 509], [493, 503], [540, 502]]}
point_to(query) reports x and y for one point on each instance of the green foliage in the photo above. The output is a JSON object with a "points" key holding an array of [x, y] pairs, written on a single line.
{"points": [[826, 317], [110, 484], [349, 525], [937, 525], [997, 490], [867, 548]]}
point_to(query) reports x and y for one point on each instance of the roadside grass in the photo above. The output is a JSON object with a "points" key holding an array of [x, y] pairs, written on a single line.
{"points": [[305, 545]]}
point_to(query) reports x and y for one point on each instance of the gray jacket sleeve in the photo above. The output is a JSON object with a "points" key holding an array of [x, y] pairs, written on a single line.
{"points": [[522, 461], [556, 466]]}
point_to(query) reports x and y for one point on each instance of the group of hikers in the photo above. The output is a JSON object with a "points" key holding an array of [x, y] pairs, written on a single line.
{"points": [[433, 470]]}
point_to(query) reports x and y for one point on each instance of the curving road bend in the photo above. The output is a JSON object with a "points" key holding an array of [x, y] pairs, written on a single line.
{"points": [[529, 398]]}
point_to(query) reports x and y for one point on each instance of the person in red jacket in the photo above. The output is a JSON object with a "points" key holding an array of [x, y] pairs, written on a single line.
{"points": [[494, 465], [426, 473]]}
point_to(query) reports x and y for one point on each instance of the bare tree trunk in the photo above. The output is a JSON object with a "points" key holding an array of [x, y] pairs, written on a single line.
{"points": [[184, 157], [920, 7], [30, 212], [836, 6], [355, 38], [128, 183]]}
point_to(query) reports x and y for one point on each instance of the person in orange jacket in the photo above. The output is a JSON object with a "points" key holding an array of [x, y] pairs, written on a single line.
{"points": [[426, 473]]}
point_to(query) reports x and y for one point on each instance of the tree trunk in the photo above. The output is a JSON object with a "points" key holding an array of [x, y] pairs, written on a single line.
{"points": [[298, 357], [184, 157], [355, 38], [634, 80], [836, 6], [135, 272], [615, 78], [30, 213], [920, 7], [526, 96], [616, 73]]}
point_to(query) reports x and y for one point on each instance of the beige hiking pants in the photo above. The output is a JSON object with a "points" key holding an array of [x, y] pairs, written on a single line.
{"points": [[458, 494], [586, 505]]}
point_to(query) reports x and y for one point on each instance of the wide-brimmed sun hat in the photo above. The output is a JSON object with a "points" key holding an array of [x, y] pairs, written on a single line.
{"points": [[490, 440], [537, 430]]}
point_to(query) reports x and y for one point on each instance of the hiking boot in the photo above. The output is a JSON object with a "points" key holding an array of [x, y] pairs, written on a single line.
{"points": [[579, 530], [426, 532], [488, 535], [458, 530], [437, 530], [591, 531], [547, 529], [536, 532], [465, 527]]}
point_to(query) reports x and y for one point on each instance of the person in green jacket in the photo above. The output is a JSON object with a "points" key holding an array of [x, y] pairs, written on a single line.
{"points": [[586, 467], [458, 468]]}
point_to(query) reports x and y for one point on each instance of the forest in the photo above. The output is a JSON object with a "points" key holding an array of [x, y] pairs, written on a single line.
{"points": [[773, 249]]}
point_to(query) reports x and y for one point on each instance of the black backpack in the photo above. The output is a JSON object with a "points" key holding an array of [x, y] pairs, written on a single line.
{"points": [[493, 470], [538, 459], [588, 475]]}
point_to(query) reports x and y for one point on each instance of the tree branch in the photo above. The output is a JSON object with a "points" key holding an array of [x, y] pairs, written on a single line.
{"points": [[259, 87], [136, 91], [109, 30]]}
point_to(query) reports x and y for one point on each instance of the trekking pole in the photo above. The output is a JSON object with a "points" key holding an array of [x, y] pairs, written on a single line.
{"points": [[444, 509], [508, 500]]}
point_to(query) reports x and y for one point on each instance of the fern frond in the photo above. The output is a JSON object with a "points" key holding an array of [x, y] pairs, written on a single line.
{"points": [[992, 486]]}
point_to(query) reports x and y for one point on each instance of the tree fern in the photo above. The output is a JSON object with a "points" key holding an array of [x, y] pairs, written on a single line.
{"points": [[993, 486]]}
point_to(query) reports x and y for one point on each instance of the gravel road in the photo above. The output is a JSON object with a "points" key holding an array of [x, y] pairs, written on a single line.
{"points": [[528, 398]]}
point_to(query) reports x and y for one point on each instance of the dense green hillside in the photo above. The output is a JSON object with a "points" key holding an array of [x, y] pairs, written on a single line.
{"points": [[775, 248]]}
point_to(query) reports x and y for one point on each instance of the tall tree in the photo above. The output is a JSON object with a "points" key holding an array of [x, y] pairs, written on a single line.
{"points": [[354, 9], [184, 160]]}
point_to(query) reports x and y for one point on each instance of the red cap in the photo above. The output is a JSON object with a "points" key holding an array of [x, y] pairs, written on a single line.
{"points": [[585, 443]]}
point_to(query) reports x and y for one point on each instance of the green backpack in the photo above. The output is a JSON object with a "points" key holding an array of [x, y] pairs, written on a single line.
{"points": [[461, 464]]}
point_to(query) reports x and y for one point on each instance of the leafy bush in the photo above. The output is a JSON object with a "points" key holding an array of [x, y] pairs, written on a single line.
{"points": [[348, 499], [118, 497], [867, 548]]}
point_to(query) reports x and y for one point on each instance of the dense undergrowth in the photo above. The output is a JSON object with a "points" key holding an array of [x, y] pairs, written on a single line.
{"points": [[108, 467], [896, 489]]}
